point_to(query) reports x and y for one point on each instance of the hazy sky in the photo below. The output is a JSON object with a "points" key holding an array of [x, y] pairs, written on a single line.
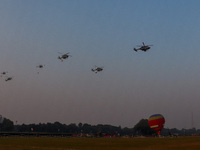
{"points": [[132, 86]]}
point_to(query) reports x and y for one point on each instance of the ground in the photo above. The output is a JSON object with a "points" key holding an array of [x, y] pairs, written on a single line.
{"points": [[63, 143]]}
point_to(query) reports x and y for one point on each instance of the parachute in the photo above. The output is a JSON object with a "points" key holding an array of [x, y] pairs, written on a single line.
{"points": [[156, 122]]}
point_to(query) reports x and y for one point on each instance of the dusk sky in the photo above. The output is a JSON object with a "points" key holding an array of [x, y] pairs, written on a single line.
{"points": [[132, 86]]}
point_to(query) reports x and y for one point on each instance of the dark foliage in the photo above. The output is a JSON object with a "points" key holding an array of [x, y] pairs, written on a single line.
{"points": [[141, 128], [7, 125]]}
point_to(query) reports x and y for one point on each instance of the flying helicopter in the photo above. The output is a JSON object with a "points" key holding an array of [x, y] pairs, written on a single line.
{"points": [[3, 73], [64, 56], [40, 66], [97, 69], [143, 47], [8, 79]]}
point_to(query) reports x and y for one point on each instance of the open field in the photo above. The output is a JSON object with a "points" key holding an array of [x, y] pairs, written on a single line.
{"points": [[61, 143]]}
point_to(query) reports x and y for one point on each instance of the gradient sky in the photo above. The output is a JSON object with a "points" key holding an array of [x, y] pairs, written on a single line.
{"points": [[132, 86]]}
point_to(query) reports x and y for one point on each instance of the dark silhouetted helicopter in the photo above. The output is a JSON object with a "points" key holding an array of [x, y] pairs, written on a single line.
{"points": [[3, 73], [40, 66], [143, 47], [64, 56], [8, 78], [97, 69]]}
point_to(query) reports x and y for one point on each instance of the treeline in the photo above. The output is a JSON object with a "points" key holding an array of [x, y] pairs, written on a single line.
{"points": [[73, 128], [141, 128]]}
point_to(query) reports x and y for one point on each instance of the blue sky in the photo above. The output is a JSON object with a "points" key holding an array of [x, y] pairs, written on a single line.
{"points": [[132, 86]]}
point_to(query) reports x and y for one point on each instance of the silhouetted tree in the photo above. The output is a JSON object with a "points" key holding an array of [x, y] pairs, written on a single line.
{"points": [[142, 127], [7, 125]]}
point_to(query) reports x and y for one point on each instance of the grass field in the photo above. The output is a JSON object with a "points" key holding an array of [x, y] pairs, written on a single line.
{"points": [[59, 143]]}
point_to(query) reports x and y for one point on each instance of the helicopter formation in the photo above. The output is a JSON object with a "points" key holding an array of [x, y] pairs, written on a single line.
{"points": [[7, 78], [65, 56]]}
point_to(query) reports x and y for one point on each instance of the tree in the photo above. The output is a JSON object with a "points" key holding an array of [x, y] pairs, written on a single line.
{"points": [[7, 125], [72, 128], [142, 127]]}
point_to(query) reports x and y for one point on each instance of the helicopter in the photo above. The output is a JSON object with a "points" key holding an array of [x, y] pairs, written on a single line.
{"points": [[40, 66], [143, 47], [8, 79], [97, 69], [64, 56], [3, 73]]}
